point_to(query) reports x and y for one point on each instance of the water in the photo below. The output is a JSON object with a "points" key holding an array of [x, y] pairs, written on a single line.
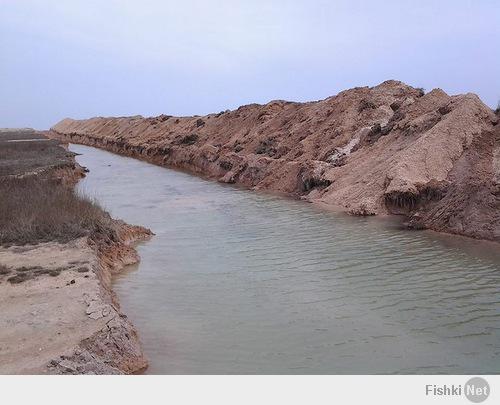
{"points": [[240, 282]]}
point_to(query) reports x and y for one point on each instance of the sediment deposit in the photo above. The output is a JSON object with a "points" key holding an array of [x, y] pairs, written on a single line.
{"points": [[388, 149]]}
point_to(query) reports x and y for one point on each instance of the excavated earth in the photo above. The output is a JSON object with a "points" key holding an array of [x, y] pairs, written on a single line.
{"points": [[388, 149]]}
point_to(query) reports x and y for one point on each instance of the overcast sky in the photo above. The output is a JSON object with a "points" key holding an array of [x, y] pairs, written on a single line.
{"points": [[86, 58]]}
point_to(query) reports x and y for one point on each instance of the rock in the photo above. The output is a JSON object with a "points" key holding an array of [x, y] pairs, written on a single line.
{"points": [[96, 310], [82, 269], [67, 365], [395, 105]]}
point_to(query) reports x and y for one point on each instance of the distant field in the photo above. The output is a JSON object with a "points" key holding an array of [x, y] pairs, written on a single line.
{"points": [[8, 135], [20, 156]]}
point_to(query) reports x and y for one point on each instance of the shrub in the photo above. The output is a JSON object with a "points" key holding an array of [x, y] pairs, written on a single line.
{"points": [[189, 139], [23, 157], [34, 210], [421, 91], [266, 147]]}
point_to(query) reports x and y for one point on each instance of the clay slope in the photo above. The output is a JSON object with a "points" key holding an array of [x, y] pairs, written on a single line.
{"points": [[385, 149]]}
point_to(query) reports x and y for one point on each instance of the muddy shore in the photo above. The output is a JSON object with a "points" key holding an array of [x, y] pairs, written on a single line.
{"points": [[59, 314], [388, 149]]}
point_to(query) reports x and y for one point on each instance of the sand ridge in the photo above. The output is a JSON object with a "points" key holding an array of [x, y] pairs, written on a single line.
{"points": [[388, 149]]}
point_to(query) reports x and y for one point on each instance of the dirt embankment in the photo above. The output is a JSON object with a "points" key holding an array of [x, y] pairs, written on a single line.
{"points": [[389, 149], [59, 314]]}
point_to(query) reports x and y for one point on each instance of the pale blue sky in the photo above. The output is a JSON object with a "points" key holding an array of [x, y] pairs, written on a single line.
{"points": [[85, 58]]}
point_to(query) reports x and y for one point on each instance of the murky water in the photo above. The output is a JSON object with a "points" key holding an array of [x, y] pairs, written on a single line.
{"points": [[240, 282]]}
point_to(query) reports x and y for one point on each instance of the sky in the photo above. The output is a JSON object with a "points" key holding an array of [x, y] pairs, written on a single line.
{"points": [[81, 59]]}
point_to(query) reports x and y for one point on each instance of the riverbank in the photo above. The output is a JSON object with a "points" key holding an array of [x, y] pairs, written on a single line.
{"points": [[244, 282], [58, 252], [388, 149]]}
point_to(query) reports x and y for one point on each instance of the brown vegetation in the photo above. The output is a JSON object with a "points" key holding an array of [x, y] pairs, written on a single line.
{"points": [[35, 205], [34, 210], [22, 157]]}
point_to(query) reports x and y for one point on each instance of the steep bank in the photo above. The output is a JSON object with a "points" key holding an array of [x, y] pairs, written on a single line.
{"points": [[59, 314], [389, 149]]}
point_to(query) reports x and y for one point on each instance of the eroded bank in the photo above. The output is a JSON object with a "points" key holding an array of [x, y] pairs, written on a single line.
{"points": [[388, 149]]}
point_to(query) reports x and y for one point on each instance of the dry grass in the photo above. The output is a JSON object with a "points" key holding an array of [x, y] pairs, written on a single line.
{"points": [[34, 210], [23, 157], [7, 135]]}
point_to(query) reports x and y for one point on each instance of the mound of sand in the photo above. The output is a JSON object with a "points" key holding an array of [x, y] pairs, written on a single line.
{"points": [[388, 149]]}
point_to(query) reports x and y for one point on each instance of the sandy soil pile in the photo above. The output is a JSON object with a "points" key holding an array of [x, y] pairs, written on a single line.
{"points": [[385, 149]]}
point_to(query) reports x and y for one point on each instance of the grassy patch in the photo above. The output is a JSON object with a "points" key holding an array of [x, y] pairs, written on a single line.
{"points": [[189, 139], [9, 135], [23, 157], [34, 210]]}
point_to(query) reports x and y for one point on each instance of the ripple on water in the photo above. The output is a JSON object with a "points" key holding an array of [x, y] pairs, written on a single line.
{"points": [[240, 282]]}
